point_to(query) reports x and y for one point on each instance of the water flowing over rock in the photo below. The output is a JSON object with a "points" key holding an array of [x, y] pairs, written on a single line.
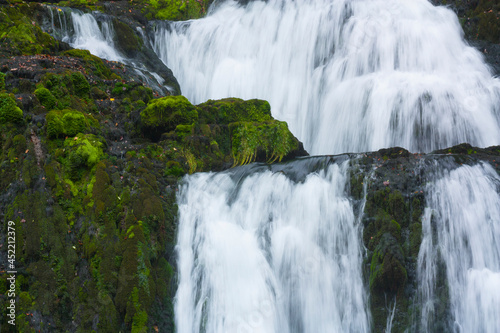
{"points": [[461, 245], [347, 76], [259, 252], [109, 38]]}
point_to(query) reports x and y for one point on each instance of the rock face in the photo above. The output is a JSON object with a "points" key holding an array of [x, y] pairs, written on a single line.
{"points": [[395, 202]]}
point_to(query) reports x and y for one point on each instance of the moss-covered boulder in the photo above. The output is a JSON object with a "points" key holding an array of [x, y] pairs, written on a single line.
{"points": [[46, 98], [272, 140], [9, 111], [126, 39], [164, 114], [65, 123]]}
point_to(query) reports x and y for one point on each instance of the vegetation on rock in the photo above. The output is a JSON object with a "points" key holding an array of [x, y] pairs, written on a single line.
{"points": [[9, 111], [89, 160]]}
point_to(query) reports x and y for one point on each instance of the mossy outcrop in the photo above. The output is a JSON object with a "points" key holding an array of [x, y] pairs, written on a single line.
{"points": [[165, 114], [216, 134]]}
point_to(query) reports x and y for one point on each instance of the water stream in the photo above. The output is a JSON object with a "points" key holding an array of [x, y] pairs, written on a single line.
{"points": [[347, 75], [260, 252], [461, 242]]}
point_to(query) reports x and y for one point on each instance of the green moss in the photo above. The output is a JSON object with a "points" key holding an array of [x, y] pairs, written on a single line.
{"points": [[2, 81], [97, 93], [9, 111], [126, 38], [174, 169], [231, 110], [272, 138], [54, 125], [141, 94], [73, 122], [164, 114], [95, 64], [83, 153], [80, 84], [65, 123], [387, 273], [46, 98], [184, 130], [175, 10], [69, 90], [87, 151]]}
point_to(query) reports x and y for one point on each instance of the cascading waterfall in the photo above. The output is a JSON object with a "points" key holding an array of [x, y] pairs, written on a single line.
{"points": [[89, 36], [84, 32], [94, 32], [260, 252], [347, 75], [461, 232]]}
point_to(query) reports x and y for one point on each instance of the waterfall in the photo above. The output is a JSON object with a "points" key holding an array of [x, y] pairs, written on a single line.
{"points": [[461, 245], [95, 32], [347, 75], [89, 36], [82, 31], [260, 251]]}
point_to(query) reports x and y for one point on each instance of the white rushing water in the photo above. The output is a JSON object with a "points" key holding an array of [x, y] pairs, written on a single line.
{"points": [[347, 75], [90, 36], [261, 253], [461, 229], [84, 33]]}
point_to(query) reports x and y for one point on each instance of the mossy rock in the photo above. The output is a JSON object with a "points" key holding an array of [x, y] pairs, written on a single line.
{"points": [[229, 110], [126, 39], [93, 63], [65, 123], [46, 98], [272, 140], [9, 111], [175, 10], [164, 114], [2, 81], [18, 34], [387, 273], [80, 84]]}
